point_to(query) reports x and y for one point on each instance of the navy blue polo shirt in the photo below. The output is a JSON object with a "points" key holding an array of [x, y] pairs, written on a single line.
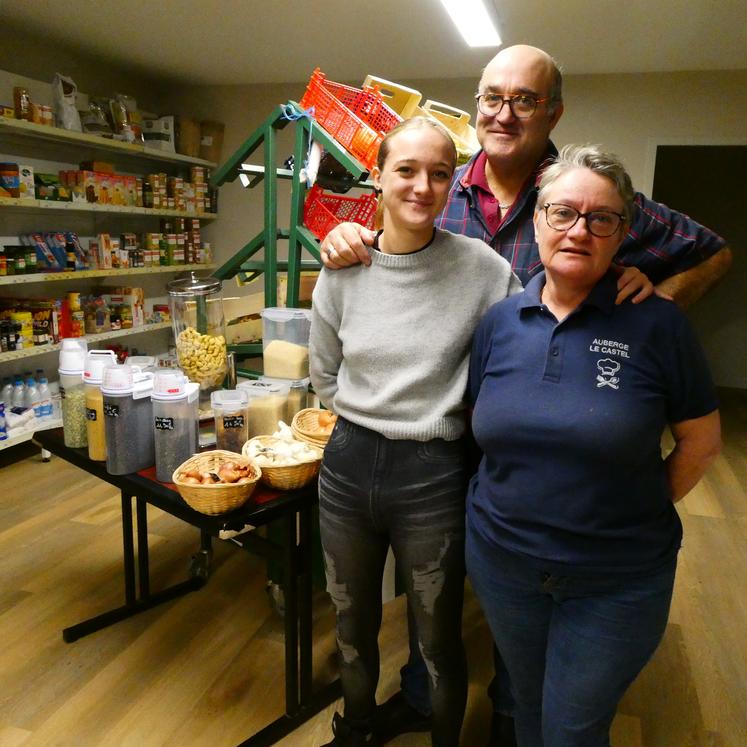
{"points": [[569, 416]]}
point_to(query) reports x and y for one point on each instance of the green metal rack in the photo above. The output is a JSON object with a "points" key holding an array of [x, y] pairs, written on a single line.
{"points": [[297, 235]]}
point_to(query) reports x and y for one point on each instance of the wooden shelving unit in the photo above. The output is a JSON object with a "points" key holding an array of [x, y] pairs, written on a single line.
{"points": [[17, 204], [18, 133], [15, 355], [68, 277]]}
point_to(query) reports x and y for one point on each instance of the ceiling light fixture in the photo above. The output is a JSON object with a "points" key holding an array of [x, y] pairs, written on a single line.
{"points": [[473, 21]]}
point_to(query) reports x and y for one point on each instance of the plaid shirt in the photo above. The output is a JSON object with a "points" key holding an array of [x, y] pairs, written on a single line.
{"points": [[660, 241]]}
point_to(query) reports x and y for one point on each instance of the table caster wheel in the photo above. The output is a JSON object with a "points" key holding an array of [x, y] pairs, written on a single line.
{"points": [[277, 598], [199, 565]]}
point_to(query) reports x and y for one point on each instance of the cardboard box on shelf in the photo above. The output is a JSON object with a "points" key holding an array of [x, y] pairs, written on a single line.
{"points": [[133, 298], [159, 133], [103, 166], [306, 288], [26, 184], [104, 243], [243, 322]]}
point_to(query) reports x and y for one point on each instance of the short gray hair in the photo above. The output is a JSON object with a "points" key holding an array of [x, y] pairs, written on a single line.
{"points": [[597, 160]]}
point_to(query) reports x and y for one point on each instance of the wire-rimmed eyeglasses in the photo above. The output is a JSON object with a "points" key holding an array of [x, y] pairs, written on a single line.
{"points": [[601, 223], [522, 105]]}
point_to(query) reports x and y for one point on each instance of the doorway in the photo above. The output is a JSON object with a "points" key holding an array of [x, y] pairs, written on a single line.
{"points": [[709, 183]]}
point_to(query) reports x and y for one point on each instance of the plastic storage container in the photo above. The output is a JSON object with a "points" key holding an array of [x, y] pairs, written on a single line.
{"points": [[96, 362], [268, 404], [298, 395], [128, 419], [231, 412], [285, 342], [72, 392], [199, 330], [175, 421], [143, 362]]}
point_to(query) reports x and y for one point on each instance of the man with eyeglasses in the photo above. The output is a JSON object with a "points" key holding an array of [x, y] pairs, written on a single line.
{"points": [[493, 197]]}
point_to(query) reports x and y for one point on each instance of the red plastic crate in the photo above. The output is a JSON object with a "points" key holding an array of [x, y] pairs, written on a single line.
{"points": [[325, 210], [357, 118]]}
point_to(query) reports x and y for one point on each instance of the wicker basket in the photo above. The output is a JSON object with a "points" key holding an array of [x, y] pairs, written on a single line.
{"points": [[221, 497], [305, 427], [290, 477]]}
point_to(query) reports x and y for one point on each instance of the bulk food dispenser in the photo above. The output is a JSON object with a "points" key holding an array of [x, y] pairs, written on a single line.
{"points": [[199, 331], [73, 394], [174, 420]]}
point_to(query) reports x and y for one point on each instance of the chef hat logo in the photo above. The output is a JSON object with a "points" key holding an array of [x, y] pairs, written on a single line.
{"points": [[608, 366]]}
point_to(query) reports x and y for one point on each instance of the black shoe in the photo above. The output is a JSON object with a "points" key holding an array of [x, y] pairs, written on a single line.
{"points": [[397, 716], [502, 731], [346, 735]]}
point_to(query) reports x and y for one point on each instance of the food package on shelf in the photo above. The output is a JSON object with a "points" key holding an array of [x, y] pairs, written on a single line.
{"points": [[65, 92], [159, 133], [133, 299]]}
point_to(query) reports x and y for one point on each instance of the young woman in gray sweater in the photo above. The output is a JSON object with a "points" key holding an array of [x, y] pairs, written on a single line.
{"points": [[389, 354]]}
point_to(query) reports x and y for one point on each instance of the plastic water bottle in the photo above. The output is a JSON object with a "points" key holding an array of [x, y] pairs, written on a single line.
{"points": [[45, 398], [3, 428], [7, 394], [31, 395], [19, 391]]}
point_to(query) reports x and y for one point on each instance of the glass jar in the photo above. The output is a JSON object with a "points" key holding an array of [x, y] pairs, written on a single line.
{"points": [[199, 331]]}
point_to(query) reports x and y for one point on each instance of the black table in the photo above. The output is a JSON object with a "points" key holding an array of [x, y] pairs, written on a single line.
{"points": [[293, 508]]}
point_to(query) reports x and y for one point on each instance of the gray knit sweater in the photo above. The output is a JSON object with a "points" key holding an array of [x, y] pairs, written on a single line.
{"points": [[390, 343]]}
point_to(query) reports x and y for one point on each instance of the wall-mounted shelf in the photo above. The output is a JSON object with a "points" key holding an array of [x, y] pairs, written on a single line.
{"points": [[14, 355], [19, 205], [19, 133], [45, 277]]}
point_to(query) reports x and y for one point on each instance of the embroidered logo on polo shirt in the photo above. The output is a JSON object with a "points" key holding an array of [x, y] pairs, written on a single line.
{"points": [[610, 347], [607, 370]]}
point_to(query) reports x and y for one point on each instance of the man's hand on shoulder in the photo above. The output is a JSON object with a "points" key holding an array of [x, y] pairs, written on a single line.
{"points": [[632, 284], [346, 245]]}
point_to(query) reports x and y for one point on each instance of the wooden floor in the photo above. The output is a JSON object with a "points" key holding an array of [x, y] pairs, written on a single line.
{"points": [[207, 669]]}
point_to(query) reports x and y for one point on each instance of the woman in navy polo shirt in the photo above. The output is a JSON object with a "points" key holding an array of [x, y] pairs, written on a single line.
{"points": [[572, 534]]}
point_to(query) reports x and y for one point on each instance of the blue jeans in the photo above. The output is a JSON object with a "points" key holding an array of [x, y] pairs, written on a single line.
{"points": [[375, 492], [571, 645]]}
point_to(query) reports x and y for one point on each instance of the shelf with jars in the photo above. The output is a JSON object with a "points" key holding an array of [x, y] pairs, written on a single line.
{"points": [[67, 277], [14, 355]]}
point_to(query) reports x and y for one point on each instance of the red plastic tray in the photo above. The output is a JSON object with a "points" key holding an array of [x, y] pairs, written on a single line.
{"points": [[357, 118], [324, 210]]}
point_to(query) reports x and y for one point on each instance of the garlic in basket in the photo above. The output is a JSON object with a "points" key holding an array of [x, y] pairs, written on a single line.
{"points": [[273, 451]]}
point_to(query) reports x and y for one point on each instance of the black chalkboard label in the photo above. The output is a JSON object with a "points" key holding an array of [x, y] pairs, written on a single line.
{"points": [[111, 411], [233, 421], [164, 424], [90, 413]]}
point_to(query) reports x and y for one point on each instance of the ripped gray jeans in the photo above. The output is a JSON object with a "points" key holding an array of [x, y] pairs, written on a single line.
{"points": [[375, 492]]}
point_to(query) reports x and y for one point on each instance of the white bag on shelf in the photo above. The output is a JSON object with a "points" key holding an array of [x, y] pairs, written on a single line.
{"points": [[65, 92]]}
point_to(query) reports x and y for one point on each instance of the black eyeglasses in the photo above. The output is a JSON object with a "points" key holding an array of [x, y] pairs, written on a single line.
{"points": [[522, 105], [601, 223]]}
